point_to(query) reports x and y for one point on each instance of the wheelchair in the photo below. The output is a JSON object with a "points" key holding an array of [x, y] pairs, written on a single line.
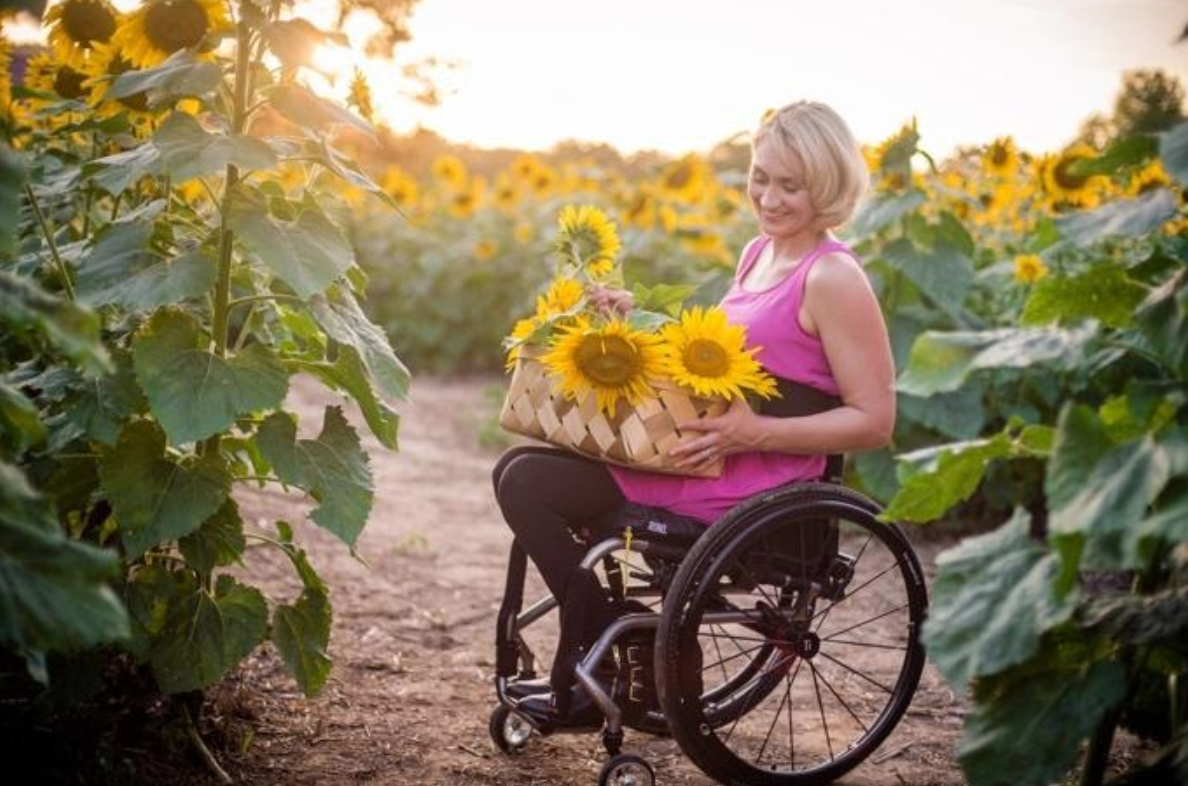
{"points": [[778, 646]]}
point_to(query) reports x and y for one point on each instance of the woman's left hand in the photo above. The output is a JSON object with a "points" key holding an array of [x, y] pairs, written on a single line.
{"points": [[734, 431]]}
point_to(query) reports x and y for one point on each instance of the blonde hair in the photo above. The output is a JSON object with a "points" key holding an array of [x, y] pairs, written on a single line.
{"points": [[834, 169]]}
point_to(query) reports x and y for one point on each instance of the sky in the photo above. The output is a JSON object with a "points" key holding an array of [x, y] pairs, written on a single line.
{"points": [[681, 75]]}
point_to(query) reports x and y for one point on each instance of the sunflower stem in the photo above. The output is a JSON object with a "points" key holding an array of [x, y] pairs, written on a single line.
{"points": [[63, 272]]}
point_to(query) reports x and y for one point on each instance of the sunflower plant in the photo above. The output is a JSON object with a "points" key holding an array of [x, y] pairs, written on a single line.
{"points": [[618, 357], [166, 273]]}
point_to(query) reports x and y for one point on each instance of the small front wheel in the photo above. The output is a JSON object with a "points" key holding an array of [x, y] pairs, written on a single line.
{"points": [[509, 730], [626, 769]]}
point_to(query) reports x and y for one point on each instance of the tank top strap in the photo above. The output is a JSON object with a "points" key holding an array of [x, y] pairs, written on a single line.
{"points": [[750, 255], [829, 246]]}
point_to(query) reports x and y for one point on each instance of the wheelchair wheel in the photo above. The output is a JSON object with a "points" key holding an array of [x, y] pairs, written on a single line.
{"points": [[788, 647], [508, 730]]}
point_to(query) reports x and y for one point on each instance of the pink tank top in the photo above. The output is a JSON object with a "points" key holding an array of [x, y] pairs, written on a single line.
{"points": [[772, 322]]}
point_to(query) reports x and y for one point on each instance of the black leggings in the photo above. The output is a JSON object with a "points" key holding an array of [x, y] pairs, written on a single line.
{"points": [[548, 497]]}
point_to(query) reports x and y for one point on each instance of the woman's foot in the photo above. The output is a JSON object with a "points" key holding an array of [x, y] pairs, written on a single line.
{"points": [[581, 714]]}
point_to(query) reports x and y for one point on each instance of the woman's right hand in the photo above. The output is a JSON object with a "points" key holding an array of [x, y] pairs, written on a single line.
{"points": [[616, 301]]}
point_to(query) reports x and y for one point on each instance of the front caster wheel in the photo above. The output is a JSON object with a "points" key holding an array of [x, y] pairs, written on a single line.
{"points": [[509, 730], [626, 769]]}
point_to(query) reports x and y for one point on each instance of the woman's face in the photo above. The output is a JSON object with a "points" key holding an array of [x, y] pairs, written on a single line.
{"points": [[779, 193]]}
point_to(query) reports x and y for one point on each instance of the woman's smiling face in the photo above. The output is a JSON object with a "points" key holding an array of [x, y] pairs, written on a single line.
{"points": [[778, 192]]}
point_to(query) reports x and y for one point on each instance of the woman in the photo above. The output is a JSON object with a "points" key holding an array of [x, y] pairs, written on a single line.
{"points": [[806, 301]]}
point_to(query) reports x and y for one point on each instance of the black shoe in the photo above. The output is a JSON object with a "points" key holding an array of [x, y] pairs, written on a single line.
{"points": [[581, 715]]}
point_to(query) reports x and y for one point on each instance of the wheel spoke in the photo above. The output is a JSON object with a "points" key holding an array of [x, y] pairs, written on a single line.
{"points": [[821, 709], [856, 672], [837, 696], [833, 635]]}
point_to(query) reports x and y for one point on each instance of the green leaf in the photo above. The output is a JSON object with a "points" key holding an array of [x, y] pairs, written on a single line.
{"points": [[180, 76], [1104, 292], [343, 320], [350, 171], [1173, 149], [1120, 218], [195, 393], [106, 402], [189, 151], [1098, 492], [943, 274], [218, 542], [992, 601], [935, 479], [941, 361], [1158, 618], [1125, 152], [308, 254], [349, 375], [301, 633], [1052, 709], [955, 234], [71, 329], [54, 592], [155, 497], [959, 414], [12, 173], [1163, 318], [205, 636], [117, 172], [665, 298], [20, 424], [333, 469], [883, 210], [312, 112], [1167, 523]]}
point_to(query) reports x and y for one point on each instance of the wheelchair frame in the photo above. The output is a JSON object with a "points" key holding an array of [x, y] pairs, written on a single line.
{"points": [[702, 574]]}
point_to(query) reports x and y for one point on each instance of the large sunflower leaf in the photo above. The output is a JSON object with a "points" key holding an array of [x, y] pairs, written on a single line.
{"points": [[935, 479], [310, 111], [301, 630], [54, 591], [959, 414], [992, 602], [181, 75], [944, 274], [343, 320], [20, 423], [882, 210], [70, 328], [348, 374], [308, 253], [195, 393], [188, 151], [1124, 152], [219, 541], [12, 172], [333, 468], [1120, 218], [1098, 492], [106, 402], [1163, 318], [156, 498], [1173, 149], [1052, 708], [941, 361], [204, 636], [1104, 292]]}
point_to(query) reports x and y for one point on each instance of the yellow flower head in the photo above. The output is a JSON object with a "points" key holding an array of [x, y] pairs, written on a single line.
{"points": [[613, 362], [1151, 176], [1001, 158], [705, 353], [1029, 268], [75, 26], [110, 61], [5, 75], [400, 185], [522, 331], [587, 239], [360, 95], [1063, 185], [485, 249], [46, 74], [563, 294], [158, 28], [450, 171], [686, 179]]}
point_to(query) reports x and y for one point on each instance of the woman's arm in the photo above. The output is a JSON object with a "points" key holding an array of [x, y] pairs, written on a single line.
{"points": [[841, 308]]}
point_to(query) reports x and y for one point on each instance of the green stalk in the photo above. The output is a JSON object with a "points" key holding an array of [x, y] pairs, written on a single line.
{"points": [[63, 271]]}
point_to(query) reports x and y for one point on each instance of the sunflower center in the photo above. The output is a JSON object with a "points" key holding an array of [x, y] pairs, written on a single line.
{"points": [[171, 25], [679, 177], [68, 83], [706, 358], [999, 155], [610, 361], [87, 22], [1066, 179]]}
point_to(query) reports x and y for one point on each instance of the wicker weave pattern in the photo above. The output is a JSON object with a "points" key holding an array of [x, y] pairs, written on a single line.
{"points": [[638, 437]]}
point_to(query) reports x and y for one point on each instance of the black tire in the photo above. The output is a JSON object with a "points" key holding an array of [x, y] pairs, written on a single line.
{"points": [[626, 768], [772, 673], [502, 734]]}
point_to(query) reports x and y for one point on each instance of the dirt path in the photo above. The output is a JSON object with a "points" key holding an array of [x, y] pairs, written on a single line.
{"points": [[410, 695]]}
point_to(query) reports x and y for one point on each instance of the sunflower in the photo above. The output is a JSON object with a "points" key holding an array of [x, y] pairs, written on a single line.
{"points": [[523, 330], [467, 199], [450, 171], [588, 239], [360, 95], [5, 76], [1063, 185], [76, 26], [1001, 158], [705, 353], [158, 28], [685, 179], [485, 249], [111, 61], [507, 192], [46, 74], [563, 294], [613, 361], [1150, 177], [401, 186], [640, 211], [1029, 268]]}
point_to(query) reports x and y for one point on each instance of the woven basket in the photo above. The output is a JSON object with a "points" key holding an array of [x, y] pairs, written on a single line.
{"points": [[637, 436]]}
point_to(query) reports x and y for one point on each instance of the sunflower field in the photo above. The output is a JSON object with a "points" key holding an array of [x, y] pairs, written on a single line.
{"points": [[163, 275], [182, 231]]}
